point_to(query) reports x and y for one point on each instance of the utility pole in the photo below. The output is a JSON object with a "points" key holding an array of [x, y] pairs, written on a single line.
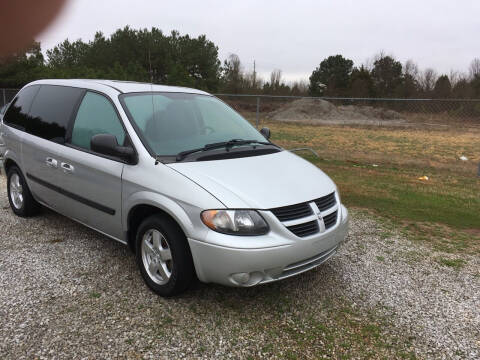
{"points": [[254, 75]]}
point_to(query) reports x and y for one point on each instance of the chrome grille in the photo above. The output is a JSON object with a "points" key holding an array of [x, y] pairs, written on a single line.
{"points": [[292, 212], [304, 229], [304, 219], [330, 220], [326, 202]]}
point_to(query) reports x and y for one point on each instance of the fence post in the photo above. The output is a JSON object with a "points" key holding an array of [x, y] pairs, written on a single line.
{"points": [[258, 110], [4, 98]]}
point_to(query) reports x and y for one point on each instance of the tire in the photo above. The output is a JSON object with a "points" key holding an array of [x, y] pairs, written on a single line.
{"points": [[19, 196], [158, 239]]}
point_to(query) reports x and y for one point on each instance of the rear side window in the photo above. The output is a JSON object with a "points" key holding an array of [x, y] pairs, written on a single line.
{"points": [[52, 110], [96, 115], [17, 113]]}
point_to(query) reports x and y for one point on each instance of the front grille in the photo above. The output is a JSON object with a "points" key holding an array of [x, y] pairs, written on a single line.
{"points": [[326, 202], [292, 212], [304, 210], [330, 220], [305, 229]]}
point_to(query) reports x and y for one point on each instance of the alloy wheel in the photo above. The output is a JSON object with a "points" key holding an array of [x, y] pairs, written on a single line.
{"points": [[16, 191], [157, 256]]}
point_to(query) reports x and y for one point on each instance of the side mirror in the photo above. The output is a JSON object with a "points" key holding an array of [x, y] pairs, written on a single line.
{"points": [[265, 132], [107, 144]]}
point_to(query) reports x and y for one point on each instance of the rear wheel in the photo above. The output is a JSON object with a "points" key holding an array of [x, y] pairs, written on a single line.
{"points": [[163, 256], [19, 195]]}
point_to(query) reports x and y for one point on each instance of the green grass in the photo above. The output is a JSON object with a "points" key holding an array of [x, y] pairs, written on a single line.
{"points": [[396, 193], [442, 213], [453, 263], [95, 295]]}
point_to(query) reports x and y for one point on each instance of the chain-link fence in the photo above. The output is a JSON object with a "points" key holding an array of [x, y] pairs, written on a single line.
{"points": [[356, 111], [7, 95]]}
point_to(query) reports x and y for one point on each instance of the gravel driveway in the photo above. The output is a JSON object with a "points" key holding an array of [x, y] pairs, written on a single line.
{"points": [[68, 292]]}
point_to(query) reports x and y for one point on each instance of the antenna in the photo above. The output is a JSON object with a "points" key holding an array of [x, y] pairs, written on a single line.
{"points": [[150, 67]]}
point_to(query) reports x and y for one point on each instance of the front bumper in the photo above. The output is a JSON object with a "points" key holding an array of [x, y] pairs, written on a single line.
{"points": [[262, 259]]}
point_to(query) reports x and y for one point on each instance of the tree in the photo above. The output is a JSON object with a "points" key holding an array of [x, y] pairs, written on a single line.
{"points": [[462, 89], [409, 87], [276, 79], [474, 68], [22, 67], [387, 76], [475, 85], [334, 72], [67, 54], [443, 88], [427, 81], [141, 55], [361, 83], [232, 74], [276, 86], [299, 88], [411, 69], [252, 83]]}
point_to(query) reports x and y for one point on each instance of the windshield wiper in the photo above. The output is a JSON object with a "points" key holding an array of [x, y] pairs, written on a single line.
{"points": [[235, 142], [219, 145]]}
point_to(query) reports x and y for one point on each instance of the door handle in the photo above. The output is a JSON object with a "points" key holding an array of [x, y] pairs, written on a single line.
{"points": [[51, 162], [67, 168]]}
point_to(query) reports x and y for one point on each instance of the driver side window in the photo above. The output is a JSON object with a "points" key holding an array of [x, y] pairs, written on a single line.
{"points": [[95, 115]]}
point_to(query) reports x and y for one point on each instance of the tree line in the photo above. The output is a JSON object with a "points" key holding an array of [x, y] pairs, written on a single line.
{"points": [[381, 77], [386, 77], [128, 54], [175, 59]]}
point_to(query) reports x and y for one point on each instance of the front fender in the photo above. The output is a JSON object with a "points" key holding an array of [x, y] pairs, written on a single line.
{"points": [[163, 203]]}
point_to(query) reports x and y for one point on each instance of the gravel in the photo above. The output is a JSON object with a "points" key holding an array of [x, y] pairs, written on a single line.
{"points": [[68, 292], [439, 306]]}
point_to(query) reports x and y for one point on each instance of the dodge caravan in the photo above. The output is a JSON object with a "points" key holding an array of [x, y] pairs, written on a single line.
{"points": [[174, 173]]}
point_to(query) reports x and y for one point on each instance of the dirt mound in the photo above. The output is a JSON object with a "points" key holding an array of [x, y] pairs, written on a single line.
{"points": [[321, 111]]}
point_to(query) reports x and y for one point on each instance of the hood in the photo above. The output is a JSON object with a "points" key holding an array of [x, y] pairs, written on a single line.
{"points": [[259, 182]]}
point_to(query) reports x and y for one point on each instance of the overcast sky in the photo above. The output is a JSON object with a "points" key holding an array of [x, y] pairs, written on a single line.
{"points": [[294, 36]]}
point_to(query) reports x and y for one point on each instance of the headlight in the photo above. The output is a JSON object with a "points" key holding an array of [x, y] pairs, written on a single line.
{"points": [[235, 222]]}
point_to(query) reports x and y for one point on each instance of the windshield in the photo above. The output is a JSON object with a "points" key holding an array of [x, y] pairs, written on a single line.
{"points": [[174, 122]]}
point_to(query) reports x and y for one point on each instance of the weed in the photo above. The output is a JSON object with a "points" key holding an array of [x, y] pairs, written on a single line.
{"points": [[453, 263]]}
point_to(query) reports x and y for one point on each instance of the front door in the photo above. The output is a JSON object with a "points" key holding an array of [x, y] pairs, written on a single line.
{"points": [[92, 183]]}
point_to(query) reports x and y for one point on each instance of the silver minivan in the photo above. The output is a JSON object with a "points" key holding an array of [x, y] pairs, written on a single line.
{"points": [[174, 173]]}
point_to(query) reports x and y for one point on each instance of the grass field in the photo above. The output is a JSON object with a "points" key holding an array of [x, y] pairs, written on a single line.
{"points": [[378, 169]]}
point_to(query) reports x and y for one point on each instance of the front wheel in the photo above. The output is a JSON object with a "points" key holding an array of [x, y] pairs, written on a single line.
{"points": [[163, 256]]}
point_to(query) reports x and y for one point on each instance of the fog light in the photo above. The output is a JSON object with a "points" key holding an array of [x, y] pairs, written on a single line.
{"points": [[241, 278]]}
